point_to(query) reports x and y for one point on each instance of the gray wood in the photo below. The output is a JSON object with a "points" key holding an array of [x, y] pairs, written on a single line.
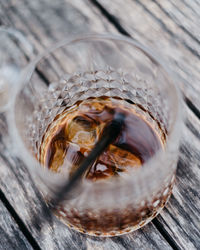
{"points": [[181, 216], [45, 22], [171, 28], [10, 235], [33, 18], [15, 179], [43, 27]]}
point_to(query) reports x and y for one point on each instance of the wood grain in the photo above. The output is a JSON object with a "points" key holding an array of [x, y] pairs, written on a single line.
{"points": [[54, 234], [49, 21], [11, 236], [181, 217], [170, 28], [31, 18], [46, 22]]}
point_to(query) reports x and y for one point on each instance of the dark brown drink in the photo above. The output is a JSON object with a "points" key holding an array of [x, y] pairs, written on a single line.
{"points": [[73, 134], [79, 128]]}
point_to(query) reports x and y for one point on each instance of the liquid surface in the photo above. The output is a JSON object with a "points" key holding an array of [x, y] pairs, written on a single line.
{"points": [[74, 133]]}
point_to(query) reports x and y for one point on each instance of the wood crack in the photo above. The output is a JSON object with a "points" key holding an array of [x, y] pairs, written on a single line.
{"points": [[187, 170], [118, 26], [165, 234], [192, 128], [42, 76], [192, 107], [110, 18], [19, 222], [115, 22]]}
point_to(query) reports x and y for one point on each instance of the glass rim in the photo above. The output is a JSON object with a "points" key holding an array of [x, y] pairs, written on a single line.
{"points": [[26, 75]]}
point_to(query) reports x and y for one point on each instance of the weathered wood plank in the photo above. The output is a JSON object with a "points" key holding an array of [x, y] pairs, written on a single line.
{"points": [[178, 235], [49, 21], [56, 235], [181, 217], [10, 235], [30, 19], [160, 26]]}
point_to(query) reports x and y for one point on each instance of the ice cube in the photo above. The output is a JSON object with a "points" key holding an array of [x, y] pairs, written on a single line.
{"points": [[119, 158], [56, 154], [82, 131], [123, 159], [72, 159]]}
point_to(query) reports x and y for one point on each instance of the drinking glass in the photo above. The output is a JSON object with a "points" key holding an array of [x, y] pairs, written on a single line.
{"points": [[94, 66]]}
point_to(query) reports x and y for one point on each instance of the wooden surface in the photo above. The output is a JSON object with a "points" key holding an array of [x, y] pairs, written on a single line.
{"points": [[169, 27], [11, 236]]}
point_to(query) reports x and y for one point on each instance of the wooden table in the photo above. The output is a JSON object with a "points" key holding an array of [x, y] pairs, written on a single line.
{"points": [[172, 29]]}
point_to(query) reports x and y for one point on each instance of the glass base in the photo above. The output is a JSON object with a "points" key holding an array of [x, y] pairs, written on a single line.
{"points": [[117, 232], [154, 209]]}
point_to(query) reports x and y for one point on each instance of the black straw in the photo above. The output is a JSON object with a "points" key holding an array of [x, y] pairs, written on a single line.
{"points": [[110, 133]]}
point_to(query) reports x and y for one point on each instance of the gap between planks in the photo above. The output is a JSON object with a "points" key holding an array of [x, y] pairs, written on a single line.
{"points": [[115, 22], [19, 222], [113, 19]]}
